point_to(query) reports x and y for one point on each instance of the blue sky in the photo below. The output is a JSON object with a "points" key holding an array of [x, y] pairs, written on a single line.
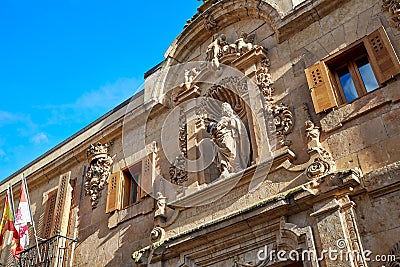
{"points": [[65, 63]]}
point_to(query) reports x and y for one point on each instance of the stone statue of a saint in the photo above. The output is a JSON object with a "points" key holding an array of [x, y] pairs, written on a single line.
{"points": [[230, 136]]}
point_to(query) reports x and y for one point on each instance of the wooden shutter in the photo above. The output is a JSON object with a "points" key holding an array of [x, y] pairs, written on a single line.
{"points": [[114, 192], [322, 92], [48, 215], [146, 181], [63, 205], [384, 60]]}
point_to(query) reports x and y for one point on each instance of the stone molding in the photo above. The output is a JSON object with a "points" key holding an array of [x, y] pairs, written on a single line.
{"points": [[214, 189], [383, 180], [279, 234]]}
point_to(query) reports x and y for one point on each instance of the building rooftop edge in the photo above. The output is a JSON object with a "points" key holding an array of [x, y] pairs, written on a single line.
{"points": [[118, 107]]}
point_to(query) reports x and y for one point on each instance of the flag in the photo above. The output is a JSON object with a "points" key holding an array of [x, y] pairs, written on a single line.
{"points": [[8, 233], [22, 218]]}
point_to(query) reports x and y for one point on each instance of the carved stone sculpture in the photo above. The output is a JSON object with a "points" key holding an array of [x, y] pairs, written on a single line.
{"points": [[244, 43], [240, 46], [210, 23], [323, 161], [177, 170], [98, 172], [284, 122], [230, 137], [320, 162], [264, 80], [214, 50], [190, 75], [220, 47], [161, 205], [393, 7]]}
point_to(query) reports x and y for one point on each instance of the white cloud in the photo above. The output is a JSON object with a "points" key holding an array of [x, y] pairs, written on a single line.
{"points": [[2, 153], [40, 138], [92, 102], [9, 118], [109, 95]]}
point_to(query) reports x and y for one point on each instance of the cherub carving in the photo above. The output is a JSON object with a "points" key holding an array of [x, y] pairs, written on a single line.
{"points": [[189, 77], [245, 43], [214, 50]]}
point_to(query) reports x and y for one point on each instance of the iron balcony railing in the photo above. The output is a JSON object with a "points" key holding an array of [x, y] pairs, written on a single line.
{"points": [[54, 252]]}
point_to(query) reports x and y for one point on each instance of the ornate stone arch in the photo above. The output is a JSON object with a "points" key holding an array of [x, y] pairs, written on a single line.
{"points": [[222, 14]]}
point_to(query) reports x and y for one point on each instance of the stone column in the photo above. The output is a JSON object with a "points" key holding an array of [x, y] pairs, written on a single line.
{"points": [[338, 233]]}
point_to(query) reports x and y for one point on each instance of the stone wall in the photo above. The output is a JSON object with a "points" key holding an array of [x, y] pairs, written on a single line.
{"points": [[226, 222]]}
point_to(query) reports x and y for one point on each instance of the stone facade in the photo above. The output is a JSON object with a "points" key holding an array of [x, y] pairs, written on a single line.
{"points": [[314, 181]]}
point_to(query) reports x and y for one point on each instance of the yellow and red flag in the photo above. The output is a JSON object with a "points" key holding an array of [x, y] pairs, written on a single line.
{"points": [[8, 233]]}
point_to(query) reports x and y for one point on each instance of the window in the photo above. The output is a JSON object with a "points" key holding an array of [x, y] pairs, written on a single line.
{"points": [[132, 191], [353, 72], [129, 186]]}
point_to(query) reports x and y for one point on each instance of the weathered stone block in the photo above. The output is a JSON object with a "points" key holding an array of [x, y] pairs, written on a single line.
{"points": [[372, 158]]}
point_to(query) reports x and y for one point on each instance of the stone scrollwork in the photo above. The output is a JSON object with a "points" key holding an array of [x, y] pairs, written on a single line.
{"points": [[177, 171], [320, 162], [264, 80], [284, 122], [210, 23], [235, 84], [395, 250], [283, 118], [157, 234], [323, 162], [393, 7], [98, 172], [317, 168], [313, 133]]}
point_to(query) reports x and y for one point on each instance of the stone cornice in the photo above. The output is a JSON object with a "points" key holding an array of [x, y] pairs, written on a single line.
{"points": [[266, 210], [214, 189], [383, 180]]}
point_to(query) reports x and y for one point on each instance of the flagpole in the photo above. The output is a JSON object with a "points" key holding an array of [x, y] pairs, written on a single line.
{"points": [[11, 198], [11, 195], [30, 213]]}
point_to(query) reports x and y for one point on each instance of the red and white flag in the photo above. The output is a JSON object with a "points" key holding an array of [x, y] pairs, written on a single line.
{"points": [[22, 218]]}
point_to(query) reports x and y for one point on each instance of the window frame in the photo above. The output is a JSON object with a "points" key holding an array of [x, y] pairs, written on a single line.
{"points": [[339, 60], [326, 90], [128, 180], [117, 184]]}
